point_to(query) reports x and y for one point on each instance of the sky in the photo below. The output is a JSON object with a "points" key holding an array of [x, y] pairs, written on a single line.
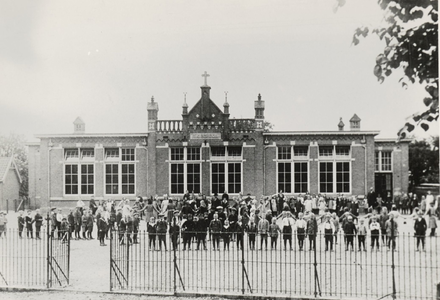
{"points": [[104, 60]]}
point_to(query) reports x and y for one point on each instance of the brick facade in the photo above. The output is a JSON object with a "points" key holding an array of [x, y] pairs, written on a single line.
{"points": [[205, 127]]}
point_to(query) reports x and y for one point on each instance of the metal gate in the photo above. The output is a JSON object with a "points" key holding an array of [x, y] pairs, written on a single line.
{"points": [[119, 260], [58, 257]]}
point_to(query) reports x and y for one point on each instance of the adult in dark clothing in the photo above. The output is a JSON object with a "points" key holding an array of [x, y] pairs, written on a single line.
{"points": [[420, 228], [252, 233], [239, 230], [161, 230], [77, 217], [216, 202], [187, 232], [174, 232], [70, 220], [29, 230], [225, 196], [151, 229], [38, 218], [136, 221], [119, 218], [221, 214], [93, 206], [371, 198], [215, 227], [349, 231], [312, 230], [186, 209], [280, 202], [122, 229], [21, 224], [201, 228], [102, 229]]}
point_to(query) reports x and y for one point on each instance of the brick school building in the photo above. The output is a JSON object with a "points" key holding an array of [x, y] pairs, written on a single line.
{"points": [[207, 151]]}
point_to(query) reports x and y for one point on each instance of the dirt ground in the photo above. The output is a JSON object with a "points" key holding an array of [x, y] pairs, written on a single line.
{"points": [[56, 295]]}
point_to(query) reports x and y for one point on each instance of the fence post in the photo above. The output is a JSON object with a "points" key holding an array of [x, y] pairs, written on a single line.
{"points": [[174, 261], [392, 242], [15, 205], [47, 251], [128, 256], [68, 258], [111, 257], [242, 260]]}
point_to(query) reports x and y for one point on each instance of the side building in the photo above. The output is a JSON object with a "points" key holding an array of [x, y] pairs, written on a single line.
{"points": [[208, 152]]}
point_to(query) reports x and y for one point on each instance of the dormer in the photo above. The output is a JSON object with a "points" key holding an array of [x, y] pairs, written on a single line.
{"points": [[355, 123], [79, 126]]}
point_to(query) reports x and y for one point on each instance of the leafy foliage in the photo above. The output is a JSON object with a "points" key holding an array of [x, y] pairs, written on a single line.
{"points": [[16, 145], [410, 34], [424, 162], [268, 126]]}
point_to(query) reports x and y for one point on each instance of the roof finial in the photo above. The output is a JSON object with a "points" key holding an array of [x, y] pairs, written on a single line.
{"points": [[226, 96], [152, 99], [206, 75], [184, 99]]}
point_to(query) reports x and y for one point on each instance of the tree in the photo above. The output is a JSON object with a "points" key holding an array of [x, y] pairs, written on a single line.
{"points": [[424, 162], [16, 145], [411, 45]]}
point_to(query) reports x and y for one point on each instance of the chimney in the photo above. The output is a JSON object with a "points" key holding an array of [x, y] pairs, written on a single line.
{"points": [[152, 109]]}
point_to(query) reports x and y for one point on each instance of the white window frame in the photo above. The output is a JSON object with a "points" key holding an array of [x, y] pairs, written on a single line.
{"points": [[118, 161], [335, 159], [380, 165], [185, 163], [293, 159], [79, 178], [226, 163]]}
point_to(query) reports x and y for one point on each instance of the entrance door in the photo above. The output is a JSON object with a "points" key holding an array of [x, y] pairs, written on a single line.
{"points": [[383, 184]]}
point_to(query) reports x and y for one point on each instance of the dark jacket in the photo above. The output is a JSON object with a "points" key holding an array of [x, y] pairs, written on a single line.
{"points": [[420, 227]]}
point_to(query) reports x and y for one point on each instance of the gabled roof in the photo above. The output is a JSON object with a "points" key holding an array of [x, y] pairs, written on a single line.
{"points": [[6, 163], [78, 120], [355, 118]]}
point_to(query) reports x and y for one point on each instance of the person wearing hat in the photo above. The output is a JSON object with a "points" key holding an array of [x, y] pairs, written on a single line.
{"points": [[392, 231], [64, 229], [187, 232], [174, 231], [21, 223], [252, 231], [161, 230], [201, 228], [263, 229], [58, 220], [349, 232], [89, 225], [420, 228], [92, 205], [3, 222], [136, 222], [29, 228], [102, 229], [221, 214], [77, 220]]}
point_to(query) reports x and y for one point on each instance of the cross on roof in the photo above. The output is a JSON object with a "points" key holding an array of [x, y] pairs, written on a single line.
{"points": [[206, 75]]}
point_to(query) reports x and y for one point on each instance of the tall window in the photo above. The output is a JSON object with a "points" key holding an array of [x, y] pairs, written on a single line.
{"points": [[218, 177], [383, 161], [325, 150], [177, 181], [386, 161], [193, 178], [111, 179], [226, 169], [292, 174], [79, 171], [87, 180], [326, 177], [301, 177], [71, 179], [120, 171], [342, 177], [185, 170], [285, 177], [234, 178]]}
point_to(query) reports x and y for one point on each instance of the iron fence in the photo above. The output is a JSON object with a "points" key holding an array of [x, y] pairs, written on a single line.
{"points": [[28, 259], [335, 271]]}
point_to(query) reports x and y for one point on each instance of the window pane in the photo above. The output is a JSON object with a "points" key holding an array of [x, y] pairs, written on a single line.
{"points": [[128, 178], [284, 152], [342, 177], [284, 177], [111, 179], [325, 150], [218, 178], [326, 177], [193, 153], [176, 153], [301, 176]]}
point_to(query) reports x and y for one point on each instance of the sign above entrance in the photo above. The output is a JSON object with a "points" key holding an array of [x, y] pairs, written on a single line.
{"points": [[205, 136]]}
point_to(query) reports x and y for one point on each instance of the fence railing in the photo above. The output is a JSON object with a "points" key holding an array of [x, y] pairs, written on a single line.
{"points": [[321, 271], [31, 259]]}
